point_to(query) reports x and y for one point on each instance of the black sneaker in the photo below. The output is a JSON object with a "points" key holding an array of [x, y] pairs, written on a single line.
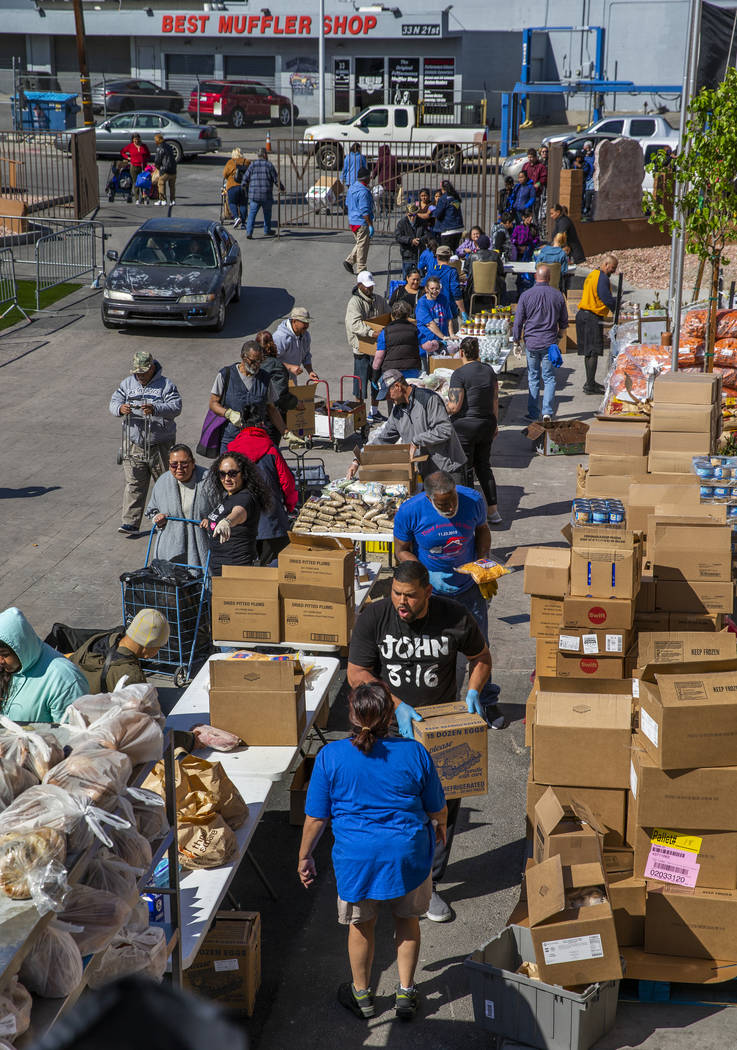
{"points": [[128, 530], [347, 266], [405, 1003], [495, 719], [359, 1003]]}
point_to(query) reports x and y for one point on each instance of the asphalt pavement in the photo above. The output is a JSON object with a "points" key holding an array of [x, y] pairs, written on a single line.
{"points": [[62, 557]]}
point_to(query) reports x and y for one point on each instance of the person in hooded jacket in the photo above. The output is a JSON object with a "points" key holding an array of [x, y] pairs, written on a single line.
{"points": [[37, 684], [449, 216], [363, 304], [254, 443], [278, 375]]}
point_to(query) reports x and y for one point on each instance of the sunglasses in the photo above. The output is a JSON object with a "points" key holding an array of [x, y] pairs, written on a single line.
{"points": [[228, 473], [179, 464]]}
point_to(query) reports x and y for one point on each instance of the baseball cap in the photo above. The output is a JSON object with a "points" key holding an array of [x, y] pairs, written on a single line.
{"points": [[412, 208], [148, 628], [300, 313], [366, 278], [388, 378], [142, 361], [443, 252]]}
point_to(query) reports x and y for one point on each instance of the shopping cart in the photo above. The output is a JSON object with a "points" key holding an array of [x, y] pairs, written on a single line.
{"points": [[309, 473], [126, 441], [180, 592]]}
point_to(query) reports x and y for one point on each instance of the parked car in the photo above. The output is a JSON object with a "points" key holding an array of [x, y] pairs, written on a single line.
{"points": [[186, 138], [632, 127], [515, 162], [122, 96], [173, 272], [240, 102]]}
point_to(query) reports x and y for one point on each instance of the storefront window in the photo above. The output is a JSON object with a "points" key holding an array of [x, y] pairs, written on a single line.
{"points": [[438, 87], [341, 85], [258, 66], [369, 82], [190, 65], [404, 81]]}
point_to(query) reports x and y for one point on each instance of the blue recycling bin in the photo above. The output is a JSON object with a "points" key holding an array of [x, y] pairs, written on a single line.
{"points": [[47, 111]]}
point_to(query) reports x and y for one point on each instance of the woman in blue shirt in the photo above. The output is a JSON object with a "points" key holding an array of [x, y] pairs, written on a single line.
{"points": [[383, 796]]}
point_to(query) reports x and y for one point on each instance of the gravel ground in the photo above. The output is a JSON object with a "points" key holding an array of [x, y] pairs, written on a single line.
{"points": [[650, 268]]}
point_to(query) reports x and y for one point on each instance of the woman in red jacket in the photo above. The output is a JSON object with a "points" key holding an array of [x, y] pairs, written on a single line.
{"points": [[138, 155]]}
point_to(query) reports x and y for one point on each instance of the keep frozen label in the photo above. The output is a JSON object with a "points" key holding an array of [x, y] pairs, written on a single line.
{"points": [[572, 949], [614, 643], [674, 840], [649, 727], [590, 644], [568, 643]]}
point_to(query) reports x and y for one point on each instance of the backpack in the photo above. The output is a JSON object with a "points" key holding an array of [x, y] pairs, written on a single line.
{"points": [[90, 650], [239, 173], [212, 428]]}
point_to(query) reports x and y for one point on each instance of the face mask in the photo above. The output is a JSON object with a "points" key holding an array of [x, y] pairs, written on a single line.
{"points": [[446, 513]]}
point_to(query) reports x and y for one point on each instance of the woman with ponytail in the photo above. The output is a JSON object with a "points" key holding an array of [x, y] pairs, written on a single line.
{"points": [[387, 808]]}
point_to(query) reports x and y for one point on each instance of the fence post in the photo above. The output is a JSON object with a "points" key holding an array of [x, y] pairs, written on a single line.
{"points": [[8, 285], [197, 75]]}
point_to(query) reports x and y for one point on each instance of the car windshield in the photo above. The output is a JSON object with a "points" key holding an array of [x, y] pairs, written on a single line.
{"points": [[170, 249], [182, 119]]}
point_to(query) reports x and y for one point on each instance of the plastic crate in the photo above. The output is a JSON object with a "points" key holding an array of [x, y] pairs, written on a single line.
{"points": [[533, 1013]]}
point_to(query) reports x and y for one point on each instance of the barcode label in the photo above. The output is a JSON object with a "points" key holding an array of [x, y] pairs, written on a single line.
{"points": [[573, 949], [668, 851], [590, 644], [323, 638], [614, 643], [225, 964], [257, 635], [649, 727], [569, 643], [672, 866]]}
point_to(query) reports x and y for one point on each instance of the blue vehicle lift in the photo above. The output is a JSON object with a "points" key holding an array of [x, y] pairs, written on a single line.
{"points": [[514, 102]]}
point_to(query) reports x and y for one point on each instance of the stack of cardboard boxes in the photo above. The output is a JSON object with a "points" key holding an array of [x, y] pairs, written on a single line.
{"points": [[685, 420]]}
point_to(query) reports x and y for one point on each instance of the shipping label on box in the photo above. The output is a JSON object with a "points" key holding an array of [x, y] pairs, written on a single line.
{"points": [[589, 642], [457, 742], [227, 968], [699, 798], [580, 740], [715, 852]]}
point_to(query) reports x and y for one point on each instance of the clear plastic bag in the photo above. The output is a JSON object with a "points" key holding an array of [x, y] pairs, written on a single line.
{"points": [[130, 846], [53, 968], [14, 780], [96, 773], [15, 1010], [32, 865], [150, 821], [113, 875], [131, 951], [125, 729], [35, 749], [142, 697], [216, 739], [99, 914]]}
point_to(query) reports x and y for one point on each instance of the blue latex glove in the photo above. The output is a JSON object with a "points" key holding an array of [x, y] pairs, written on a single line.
{"points": [[406, 715], [474, 704], [554, 355], [442, 582], [371, 231], [464, 317]]}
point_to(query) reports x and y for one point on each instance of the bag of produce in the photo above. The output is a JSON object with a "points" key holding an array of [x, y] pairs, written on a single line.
{"points": [[129, 846], [35, 749], [130, 951], [53, 967], [96, 773], [15, 1010], [99, 914], [125, 729]]}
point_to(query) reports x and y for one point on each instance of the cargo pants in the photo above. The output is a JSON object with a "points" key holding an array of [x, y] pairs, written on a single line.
{"points": [[139, 471]]}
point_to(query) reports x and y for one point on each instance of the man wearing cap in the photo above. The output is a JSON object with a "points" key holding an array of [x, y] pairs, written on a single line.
{"points": [[419, 419], [407, 236], [450, 285], [360, 203], [259, 182], [293, 344], [363, 304], [145, 394], [106, 658]]}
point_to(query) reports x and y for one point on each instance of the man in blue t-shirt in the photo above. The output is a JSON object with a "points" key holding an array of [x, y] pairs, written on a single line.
{"points": [[444, 527]]}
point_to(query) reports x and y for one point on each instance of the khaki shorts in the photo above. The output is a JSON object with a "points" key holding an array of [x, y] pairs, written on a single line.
{"points": [[411, 905]]}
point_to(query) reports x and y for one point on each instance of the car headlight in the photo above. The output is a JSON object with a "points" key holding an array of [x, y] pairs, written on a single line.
{"points": [[308, 136], [111, 293], [209, 298]]}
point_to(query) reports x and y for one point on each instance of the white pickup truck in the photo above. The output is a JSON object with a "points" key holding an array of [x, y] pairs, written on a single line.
{"points": [[400, 127]]}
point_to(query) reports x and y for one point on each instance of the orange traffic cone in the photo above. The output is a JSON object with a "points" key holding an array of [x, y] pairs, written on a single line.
{"points": [[268, 142]]}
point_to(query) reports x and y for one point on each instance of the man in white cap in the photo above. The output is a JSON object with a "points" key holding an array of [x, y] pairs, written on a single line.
{"points": [[106, 658], [363, 304], [293, 344]]}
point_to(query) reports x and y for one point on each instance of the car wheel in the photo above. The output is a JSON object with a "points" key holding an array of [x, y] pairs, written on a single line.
{"points": [[176, 150], [330, 156], [237, 118], [126, 106], [237, 292], [285, 116], [220, 319], [448, 160]]}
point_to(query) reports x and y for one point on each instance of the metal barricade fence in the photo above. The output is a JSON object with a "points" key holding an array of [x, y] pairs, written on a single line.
{"points": [[65, 255], [8, 285]]}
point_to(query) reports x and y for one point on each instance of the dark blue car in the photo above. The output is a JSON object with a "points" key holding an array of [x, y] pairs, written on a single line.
{"points": [[173, 272]]}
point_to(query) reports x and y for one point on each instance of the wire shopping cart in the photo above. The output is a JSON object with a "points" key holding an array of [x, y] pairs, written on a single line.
{"points": [[126, 441], [180, 592]]}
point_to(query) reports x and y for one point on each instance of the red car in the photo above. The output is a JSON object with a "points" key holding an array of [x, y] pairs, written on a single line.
{"points": [[240, 102]]}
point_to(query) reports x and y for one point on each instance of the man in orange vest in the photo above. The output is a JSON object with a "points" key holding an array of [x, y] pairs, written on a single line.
{"points": [[596, 303]]}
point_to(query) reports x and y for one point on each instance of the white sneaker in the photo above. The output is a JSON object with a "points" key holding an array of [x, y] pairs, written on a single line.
{"points": [[172, 203], [138, 202], [439, 910], [237, 223]]}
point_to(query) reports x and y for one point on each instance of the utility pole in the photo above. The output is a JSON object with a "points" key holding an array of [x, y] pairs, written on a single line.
{"points": [[84, 76], [321, 65]]}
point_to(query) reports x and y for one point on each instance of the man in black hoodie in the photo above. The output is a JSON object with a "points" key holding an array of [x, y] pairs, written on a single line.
{"points": [[407, 236], [166, 165]]}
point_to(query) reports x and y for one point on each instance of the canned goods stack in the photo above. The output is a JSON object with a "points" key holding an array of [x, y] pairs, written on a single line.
{"points": [[608, 512]]}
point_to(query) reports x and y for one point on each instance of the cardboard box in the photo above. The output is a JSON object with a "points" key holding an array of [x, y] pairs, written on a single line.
{"points": [[701, 922], [611, 487], [682, 388], [547, 571], [698, 798], [389, 464], [717, 853], [575, 665], [530, 706], [227, 968], [681, 647], [642, 966], [645, 596], [606, 571], [605, 465], [691, 719], [572, 945], [690, 551], [261, 717], [573, 835], [678, 621], [434, 362], [343, 422], [684, 419], [673, 462], [694, 596], [644, 497], [627, 898], [321, 567], [581, 740], [613, 439], [301, 420], [606, 804], [264, 675], [246, 605], [457, 742], [585, 641], [546, 656], [672, 441], [612, 614], [545, 616], [321, 622], [367, 344], [298, 790], [619, 863], [563, 438]]}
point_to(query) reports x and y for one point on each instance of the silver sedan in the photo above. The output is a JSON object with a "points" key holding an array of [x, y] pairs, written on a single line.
{"points": [[186, 138]]}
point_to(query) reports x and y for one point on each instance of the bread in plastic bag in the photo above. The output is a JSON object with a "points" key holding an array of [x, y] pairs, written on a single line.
{"points": [[53, 968], [135, 734], [216, 739], [141, 697], [130, 951], [112, 874], [97, 773], [206, 845], [15, 1010], [150, 821], [14, 780], [99, 914], [29, 860], [130, 846], [36, 749]]}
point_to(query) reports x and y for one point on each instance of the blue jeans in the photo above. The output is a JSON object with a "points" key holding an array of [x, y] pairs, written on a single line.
{"points": [[253, 208], [537, 362], [237, 203], [473, 600]]}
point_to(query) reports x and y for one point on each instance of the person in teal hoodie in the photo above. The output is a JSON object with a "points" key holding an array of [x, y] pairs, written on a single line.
{"points": [[37, 684]]}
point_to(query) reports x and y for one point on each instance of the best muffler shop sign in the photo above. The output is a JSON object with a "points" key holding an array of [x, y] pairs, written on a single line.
{"points": [[266, 25]]}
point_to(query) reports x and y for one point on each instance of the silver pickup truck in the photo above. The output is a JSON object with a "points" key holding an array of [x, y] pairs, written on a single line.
{"points": [[404, 129]]}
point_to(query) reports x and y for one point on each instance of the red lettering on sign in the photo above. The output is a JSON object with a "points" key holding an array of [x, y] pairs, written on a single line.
{"points": [[192, 24], [290, 24], [369, 23], [253, 21], [265, 23], [305, 25], [355, 25], [239, 25], [179, 21], [277, 28], [167, 23], [597, 615], [204, 19], [589, 665]]}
